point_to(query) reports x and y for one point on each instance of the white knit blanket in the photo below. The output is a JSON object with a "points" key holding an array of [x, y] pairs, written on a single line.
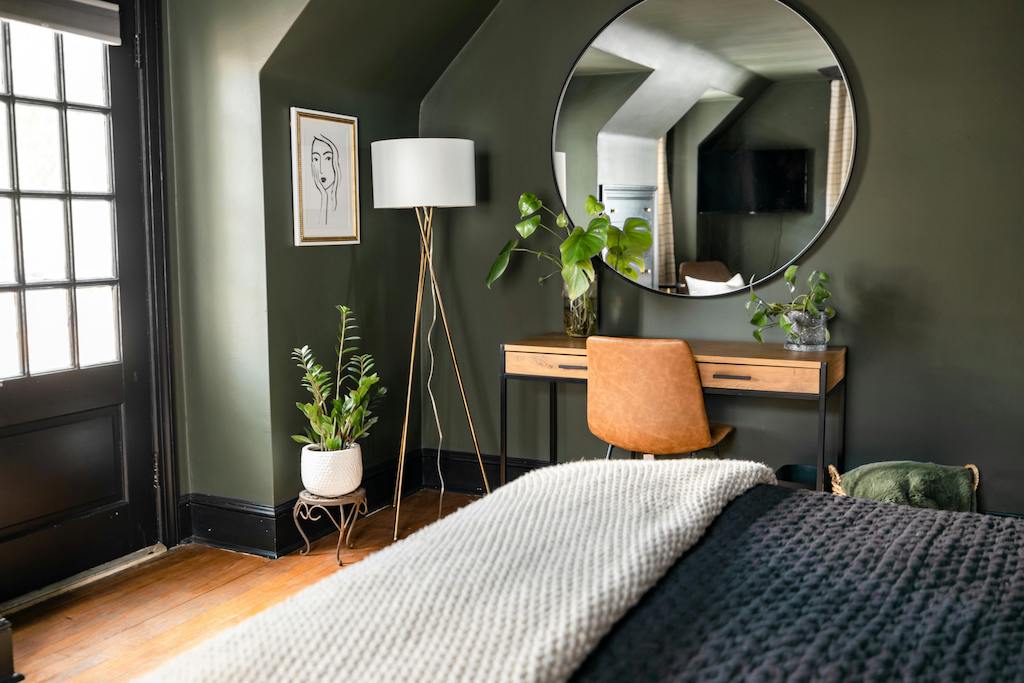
{"points": [[519, 586]]}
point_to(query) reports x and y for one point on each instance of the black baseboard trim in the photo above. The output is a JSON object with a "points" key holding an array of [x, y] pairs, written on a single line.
{"points": [[269, 530], [462, 472]]}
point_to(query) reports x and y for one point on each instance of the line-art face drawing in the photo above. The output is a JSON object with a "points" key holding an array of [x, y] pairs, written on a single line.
{"points": [[325, 168]]}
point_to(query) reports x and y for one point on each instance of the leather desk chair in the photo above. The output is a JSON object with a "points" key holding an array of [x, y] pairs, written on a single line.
{"points": [[645, 396]]}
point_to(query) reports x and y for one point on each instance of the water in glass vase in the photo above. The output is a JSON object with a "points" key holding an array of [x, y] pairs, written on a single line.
{"points": [[579, 315]]}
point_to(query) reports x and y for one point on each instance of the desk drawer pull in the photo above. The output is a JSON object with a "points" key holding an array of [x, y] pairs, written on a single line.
{"points": [[719, 375], [572, 367]]}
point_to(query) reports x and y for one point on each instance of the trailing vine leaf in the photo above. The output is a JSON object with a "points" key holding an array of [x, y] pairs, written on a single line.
{"points": [[592, 206], [528, 204], [528, 226], [562, 220], [501, 263]]}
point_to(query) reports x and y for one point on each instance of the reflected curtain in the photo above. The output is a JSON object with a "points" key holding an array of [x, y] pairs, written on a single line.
{"points": [[666, 247], [840, 143]]}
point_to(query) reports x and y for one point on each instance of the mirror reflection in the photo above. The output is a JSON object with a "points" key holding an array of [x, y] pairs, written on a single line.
{"points": [[725, 123]]}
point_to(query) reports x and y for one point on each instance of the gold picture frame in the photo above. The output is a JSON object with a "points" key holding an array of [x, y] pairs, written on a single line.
{"points": [[325, 178]]}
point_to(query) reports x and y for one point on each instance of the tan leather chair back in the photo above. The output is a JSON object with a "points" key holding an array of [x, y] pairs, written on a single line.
{"points": [[645, 395]]}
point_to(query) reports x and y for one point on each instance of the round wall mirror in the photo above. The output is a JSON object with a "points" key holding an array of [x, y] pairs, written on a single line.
{"points": [[726, 124]]}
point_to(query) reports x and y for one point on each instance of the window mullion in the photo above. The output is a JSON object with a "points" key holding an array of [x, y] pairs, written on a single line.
{"points": [[69, 235]]}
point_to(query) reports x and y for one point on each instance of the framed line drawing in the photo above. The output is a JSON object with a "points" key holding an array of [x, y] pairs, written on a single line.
{"points": [[325, 178]]}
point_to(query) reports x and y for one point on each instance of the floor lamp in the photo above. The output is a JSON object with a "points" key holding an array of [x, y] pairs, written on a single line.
{"points": [[424, 174]]}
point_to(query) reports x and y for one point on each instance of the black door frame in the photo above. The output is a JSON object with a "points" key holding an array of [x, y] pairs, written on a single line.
{"points": [[149, 60]]}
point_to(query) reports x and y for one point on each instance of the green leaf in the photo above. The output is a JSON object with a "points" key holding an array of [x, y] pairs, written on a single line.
{"points": [[501, 263], [592, 206], [760, 319], [790, 275], [562, 220], [575, 277], [757, 336], [528, 226], [528, 203], [581, 245], [830, 312], [300, 438]]}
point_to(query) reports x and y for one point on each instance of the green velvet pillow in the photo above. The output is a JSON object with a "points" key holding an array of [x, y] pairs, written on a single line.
{"points": [[918, 484]]}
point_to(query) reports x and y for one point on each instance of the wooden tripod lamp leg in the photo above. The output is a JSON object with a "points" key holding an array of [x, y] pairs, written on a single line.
{"points": [[425, 237], [399, 479]]}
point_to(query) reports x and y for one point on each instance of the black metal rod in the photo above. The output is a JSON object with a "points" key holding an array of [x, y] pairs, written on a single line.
{"points": [[744, 378], [503, 412], [822, 418], [7, 674], [553, 423]]}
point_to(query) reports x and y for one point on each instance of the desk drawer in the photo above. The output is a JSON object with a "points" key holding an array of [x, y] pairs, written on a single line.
{"points": [[545, 365], [759, 378]]}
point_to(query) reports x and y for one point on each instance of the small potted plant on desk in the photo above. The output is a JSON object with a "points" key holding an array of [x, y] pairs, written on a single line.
{"points": [[804, 319], [339, 415], [622, 248]]}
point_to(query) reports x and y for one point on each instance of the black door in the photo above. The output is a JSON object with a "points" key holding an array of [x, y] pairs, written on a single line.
{"points": [[77, 471]]}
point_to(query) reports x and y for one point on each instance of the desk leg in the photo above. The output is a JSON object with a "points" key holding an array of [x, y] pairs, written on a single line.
{"points": [[841, 455], [503, 411], [553, 423], [7, 673], [822, 417]]}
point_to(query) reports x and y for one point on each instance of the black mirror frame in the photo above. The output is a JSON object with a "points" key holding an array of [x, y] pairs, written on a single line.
{"points": [[817, 235]]}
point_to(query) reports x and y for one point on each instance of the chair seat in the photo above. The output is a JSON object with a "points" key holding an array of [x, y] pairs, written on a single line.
{"points": [[718, 432]]}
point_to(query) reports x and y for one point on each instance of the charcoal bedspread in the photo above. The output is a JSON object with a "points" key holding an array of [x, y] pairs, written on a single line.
{"points": [[792, 585]]}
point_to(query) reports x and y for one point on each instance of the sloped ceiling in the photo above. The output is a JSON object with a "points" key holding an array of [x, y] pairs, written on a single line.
{"points": [[393, 48]]}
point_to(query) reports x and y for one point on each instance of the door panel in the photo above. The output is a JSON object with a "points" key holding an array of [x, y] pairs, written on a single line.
{"points": [[77, 485]]}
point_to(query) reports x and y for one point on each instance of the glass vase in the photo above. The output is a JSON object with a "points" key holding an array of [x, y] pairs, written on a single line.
{"points": [[579, 315], [809, 331]]}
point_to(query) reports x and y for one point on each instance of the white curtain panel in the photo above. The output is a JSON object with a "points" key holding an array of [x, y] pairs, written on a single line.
{"points": [[666, 247], [840, 144]]}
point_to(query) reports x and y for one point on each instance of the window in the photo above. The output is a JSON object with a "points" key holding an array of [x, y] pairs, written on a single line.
{"points": [[58, 265]]}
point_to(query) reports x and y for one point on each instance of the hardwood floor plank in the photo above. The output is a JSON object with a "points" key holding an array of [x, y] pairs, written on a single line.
{"points": [[131, 622]]}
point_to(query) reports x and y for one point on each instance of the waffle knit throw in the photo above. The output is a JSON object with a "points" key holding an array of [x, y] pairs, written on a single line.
{"points": [[518, 586]]}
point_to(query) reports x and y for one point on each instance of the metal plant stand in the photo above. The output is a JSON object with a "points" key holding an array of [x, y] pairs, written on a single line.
{"points": [[310, 506]]}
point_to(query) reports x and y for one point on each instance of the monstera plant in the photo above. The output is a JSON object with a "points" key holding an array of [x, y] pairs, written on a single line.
{"points": [[623, 249]]}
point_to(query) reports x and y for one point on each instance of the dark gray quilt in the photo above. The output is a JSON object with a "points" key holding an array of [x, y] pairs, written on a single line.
{"points": [[791, 585]]}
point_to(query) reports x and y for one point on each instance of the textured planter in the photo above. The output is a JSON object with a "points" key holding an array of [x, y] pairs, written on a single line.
{"points": [[331, 473], [810, 332]]}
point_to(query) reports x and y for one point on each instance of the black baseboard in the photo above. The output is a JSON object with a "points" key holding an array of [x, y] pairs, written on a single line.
{"points": [[269, 530], [462, 472]]}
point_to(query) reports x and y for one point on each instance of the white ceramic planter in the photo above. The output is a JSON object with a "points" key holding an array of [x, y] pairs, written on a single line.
{"points": [[332, 473]]}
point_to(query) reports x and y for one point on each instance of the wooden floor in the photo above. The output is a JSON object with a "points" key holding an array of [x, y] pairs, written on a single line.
{"points": [[129, 623]]}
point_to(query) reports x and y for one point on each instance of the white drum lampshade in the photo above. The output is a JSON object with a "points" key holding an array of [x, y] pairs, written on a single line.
{"points": [[412, 172]]}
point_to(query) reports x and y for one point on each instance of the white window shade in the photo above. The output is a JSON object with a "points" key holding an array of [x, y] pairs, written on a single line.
{"points": [[92, 18]]}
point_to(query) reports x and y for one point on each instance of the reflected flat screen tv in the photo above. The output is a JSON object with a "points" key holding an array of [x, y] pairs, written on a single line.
{"points": [[752, 181]]}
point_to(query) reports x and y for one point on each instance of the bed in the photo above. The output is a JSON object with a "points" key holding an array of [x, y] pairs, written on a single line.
{"points": [[685, 570]]}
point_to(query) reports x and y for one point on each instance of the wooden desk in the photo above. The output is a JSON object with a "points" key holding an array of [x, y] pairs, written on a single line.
{"points": [[726, 367]]}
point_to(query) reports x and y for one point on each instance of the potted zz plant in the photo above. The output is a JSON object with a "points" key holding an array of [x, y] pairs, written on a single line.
{"points": [[623, 249], [804, 319], [339, 415]]}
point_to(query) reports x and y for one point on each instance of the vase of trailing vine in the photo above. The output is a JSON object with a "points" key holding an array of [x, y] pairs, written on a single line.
{"points": [[340, 413], [622, 248], [579, 315], [804, 319]]}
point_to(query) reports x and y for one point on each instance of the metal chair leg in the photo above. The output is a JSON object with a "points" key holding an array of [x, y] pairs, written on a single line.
{"points": [[608, 455]]}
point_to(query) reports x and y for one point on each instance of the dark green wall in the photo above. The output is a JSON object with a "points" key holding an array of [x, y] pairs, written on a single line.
{"points": [[324, 63], [925, 250], [214, 51]]}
